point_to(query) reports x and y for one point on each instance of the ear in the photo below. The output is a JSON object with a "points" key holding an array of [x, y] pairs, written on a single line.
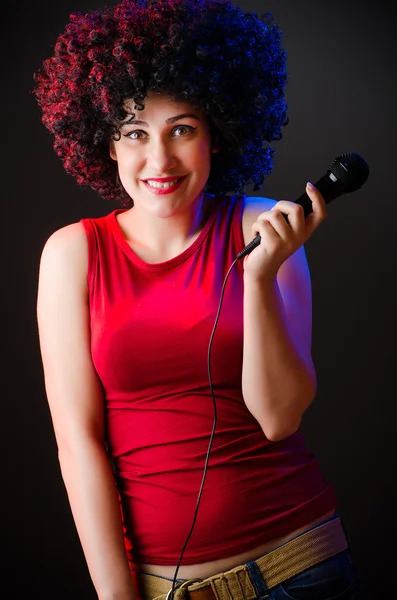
{"points": [[112, 150], [215, 142]]}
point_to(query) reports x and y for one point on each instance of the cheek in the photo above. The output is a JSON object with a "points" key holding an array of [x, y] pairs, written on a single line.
{"points": [[204, 153], [128, 171], [128, 163]]}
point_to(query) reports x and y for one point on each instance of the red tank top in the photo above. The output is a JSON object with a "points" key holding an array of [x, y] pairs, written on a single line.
{"points": [[151, 325]]}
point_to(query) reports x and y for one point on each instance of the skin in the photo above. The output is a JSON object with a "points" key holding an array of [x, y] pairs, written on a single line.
{"points": [[278, 375], [160, 226]]}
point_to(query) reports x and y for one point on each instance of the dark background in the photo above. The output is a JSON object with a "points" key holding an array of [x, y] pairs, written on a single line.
{"points": [[342, 97]]}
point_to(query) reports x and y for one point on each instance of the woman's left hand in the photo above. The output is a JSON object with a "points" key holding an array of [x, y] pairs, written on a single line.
{"points": [[281, 238]]}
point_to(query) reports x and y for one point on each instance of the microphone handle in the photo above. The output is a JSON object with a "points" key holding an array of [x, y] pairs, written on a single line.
{"points": [[328, 186]]}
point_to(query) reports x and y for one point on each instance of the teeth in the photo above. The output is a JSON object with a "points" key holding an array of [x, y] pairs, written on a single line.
{"points": [[157, 184]]}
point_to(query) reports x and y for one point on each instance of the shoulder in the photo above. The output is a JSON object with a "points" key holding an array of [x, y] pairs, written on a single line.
{"points": [[65, 252], [253, 206], [68, 238]]}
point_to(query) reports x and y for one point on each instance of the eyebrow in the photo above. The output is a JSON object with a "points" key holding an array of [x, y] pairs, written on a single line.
{"points": [[168, 121]]}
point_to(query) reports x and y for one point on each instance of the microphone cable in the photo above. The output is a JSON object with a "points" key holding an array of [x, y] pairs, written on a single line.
{"points": [[170, 595]]}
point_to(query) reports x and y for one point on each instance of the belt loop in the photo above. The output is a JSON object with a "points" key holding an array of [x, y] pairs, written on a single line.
{"points": [[257, 580]]}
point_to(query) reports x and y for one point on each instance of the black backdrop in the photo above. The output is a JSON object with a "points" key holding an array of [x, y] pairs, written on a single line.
{"points": [[342, 97]]}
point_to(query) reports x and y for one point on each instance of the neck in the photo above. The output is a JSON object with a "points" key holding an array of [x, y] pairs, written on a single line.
{"points": [[165, 235]]}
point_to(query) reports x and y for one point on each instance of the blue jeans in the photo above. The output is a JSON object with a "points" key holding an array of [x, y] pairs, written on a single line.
{"points": [[333, 579]]}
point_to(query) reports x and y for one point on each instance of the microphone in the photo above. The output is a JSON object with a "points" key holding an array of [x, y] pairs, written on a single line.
{"points": [[347, 173]]}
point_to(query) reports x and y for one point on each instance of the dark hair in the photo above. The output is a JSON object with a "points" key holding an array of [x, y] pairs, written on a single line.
{"points": [[227, 62]]}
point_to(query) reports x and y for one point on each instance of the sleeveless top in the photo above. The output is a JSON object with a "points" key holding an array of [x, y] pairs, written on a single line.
{"points": [[151, 326]]}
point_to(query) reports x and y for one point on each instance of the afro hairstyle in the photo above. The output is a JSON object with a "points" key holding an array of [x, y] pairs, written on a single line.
{"points": [[226, 62]]}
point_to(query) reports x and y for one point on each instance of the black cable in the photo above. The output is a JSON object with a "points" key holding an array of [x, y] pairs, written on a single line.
{"points": [[171, 592]]}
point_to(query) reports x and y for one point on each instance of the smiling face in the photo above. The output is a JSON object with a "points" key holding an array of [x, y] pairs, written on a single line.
{"points": [[163, 155]]}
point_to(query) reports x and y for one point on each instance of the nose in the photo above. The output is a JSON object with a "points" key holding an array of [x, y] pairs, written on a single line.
{"points": [[160, 158]]}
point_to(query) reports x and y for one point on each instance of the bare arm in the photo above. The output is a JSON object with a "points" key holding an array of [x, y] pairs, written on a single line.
{"points": [[279, 380], [278, 375], [76, 403]]}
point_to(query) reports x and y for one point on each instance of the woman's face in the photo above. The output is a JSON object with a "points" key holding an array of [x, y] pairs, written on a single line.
{"points": [[164, 155]]}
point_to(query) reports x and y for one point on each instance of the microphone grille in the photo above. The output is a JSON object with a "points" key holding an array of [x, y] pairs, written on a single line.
{"points": [[351, 169]]}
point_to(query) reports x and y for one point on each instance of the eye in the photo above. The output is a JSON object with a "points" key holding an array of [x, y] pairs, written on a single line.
{"points": [[136, 134], [184, 130]]}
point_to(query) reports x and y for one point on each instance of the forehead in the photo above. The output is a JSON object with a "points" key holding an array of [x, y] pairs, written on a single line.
{"points": [[160, 107]]}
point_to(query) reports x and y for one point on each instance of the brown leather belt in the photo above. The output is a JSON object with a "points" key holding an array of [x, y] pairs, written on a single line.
{"points": [[286, 561]]}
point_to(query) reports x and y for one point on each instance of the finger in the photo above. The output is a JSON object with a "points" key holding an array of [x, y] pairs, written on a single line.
{"points": [[318, 205], [276, 221], [293, 213], [270, 239], [264, 227]]}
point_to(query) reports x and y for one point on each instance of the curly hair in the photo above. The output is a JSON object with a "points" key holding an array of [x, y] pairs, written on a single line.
{"points": [[226, 62]]}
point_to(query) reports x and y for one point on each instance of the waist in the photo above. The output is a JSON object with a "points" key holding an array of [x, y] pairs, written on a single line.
{"points": [[255, 578], [210, 568], [255, 497]]}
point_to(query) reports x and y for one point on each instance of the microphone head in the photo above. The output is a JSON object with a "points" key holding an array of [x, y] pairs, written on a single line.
{"points": [[351, 170]]}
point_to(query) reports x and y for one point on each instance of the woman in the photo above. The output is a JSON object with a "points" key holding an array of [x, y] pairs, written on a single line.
{"points": [[168, 108]]}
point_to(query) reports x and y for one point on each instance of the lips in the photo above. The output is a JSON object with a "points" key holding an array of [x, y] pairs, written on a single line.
{"points": [[164, 179], [164, 190]]}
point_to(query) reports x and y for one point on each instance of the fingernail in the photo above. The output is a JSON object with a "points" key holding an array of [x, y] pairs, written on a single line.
{"points": [[310, 185]]}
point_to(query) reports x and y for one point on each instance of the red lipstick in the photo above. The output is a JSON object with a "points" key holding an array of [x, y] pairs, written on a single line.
{"points": [[163, 179], [166, 190]]}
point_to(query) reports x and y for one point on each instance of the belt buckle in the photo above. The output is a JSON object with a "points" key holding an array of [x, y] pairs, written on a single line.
{"points": [[182, 584]]}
